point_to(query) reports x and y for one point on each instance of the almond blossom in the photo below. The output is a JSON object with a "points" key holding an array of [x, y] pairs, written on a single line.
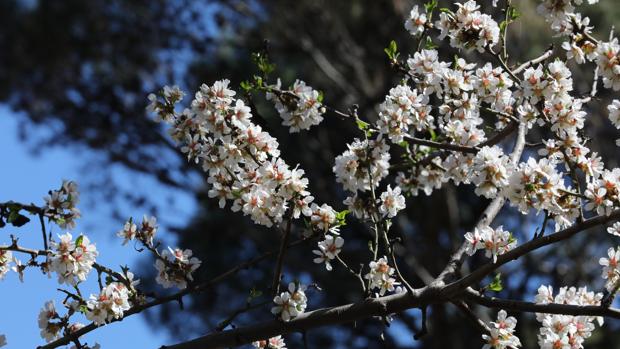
{"points": [[289, 304], [329, 248], [380, 276], [392, 201], [110, 304], [72, 260], [276, 342], [175, 268], [49, 322]]}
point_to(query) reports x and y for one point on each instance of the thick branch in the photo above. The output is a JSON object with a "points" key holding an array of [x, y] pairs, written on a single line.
{"points": [[551, 308], [322, 317], [478, 274]]}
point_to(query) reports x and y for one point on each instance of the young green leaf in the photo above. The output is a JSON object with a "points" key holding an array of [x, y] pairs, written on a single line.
{"points": [[496, 284]]}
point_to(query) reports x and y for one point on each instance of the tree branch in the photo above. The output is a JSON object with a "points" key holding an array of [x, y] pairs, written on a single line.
{"points": [[367, 308], [550, 308]]}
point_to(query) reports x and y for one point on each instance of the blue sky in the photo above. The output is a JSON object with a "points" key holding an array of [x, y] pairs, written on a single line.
{"points": [[25, 177]]}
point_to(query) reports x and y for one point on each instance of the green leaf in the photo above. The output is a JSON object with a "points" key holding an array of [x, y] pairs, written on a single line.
{"points": [[341, 217], [433, 134], [17, 219], [79, 240], [511, 239], [391, 51], [513, 13], [445, 9], [83, 309], [263, 64], [320, 97], [362, 125], [430, 6], [258, 81], [246, 86], [404, 144], [496, 284], [502, 26]]}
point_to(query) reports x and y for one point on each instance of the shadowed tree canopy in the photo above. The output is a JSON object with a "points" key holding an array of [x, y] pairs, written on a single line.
{"points": [[83, 70]]}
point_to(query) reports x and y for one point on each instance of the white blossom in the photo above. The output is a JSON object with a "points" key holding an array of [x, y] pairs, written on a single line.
{"points": [[329, 248], [49, 322], [110, 304], [299, 107], [276, 342], [392, 201], [6, 257], [175, 268], [60, 205], [502, 334], [289, 304], [380, 276], [72, 260], [415, 22]]}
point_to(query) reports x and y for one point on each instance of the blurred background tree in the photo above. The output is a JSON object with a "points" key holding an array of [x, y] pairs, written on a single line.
{"points": [[82, 70]]}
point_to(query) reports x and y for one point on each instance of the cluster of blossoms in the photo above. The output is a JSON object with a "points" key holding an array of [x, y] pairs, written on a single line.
{"points": [[110, 304], [603, 193], [462, 90], [60, 205], [362, 164], [361, 168], [538, 185], [611, 268], [72, 260], [580, 45], [175, 268], [468, 28], [299, 107], [561, 15], [241, 159], [502, 334], [566, 331], [49, 322], [289, 304], [403, 112], [276, 342], [329, 248], [146, 233], [381, 277], [491, 169], [495, 242], [608, 62]]}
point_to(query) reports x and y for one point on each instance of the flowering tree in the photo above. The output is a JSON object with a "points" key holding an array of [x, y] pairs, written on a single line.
{"points": [[446, 123]]}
